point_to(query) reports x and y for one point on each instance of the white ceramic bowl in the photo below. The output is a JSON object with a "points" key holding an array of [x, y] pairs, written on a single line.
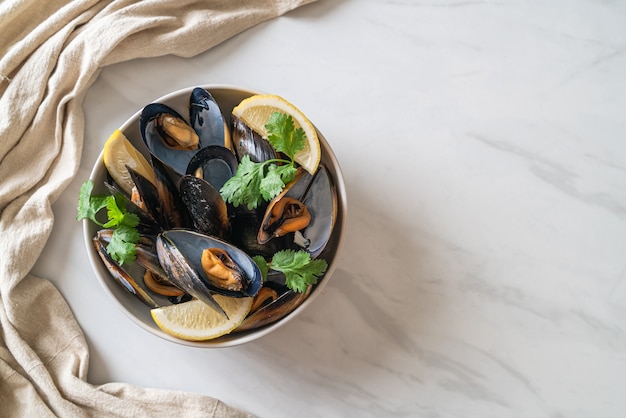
{"points": [[227, 97]]}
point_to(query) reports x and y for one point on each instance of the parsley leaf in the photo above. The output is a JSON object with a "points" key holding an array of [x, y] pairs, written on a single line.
{"points": [[300, 271], [274, 181], [117, 214], [125, 235], [114, 212], [255, 182], [122, 245], [263, 266], [89, 205], [243, 187], [282, 134]]}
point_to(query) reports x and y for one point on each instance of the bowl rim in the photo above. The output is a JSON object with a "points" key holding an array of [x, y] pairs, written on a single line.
{"points": [[244, 337]]}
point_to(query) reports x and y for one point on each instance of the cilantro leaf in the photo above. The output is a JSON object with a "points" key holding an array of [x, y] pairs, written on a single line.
{"points": [[243, 187], [117, 213], [288, 259], [125, 235], [130, 219], [122, 245], [283, 135], [287, 172], [114, 212], [300, 271], [263, 266], [272, 184], [255, 182], [89, 206]]}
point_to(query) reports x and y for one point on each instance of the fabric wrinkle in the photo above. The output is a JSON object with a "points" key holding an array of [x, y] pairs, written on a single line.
{"points": [[51, 52]]}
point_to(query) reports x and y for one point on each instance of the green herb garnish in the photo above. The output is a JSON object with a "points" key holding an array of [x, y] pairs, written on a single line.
{"points": [[255, 182], [125, 235], [300, 271], [263, 266]]}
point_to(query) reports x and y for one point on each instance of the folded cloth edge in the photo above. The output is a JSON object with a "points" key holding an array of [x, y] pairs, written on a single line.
{"points": [[44, 132]]}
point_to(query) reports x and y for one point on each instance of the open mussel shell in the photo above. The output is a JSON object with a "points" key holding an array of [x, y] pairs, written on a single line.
{"points": [[147, 194], [147, 223], [296, 189], [318, 193], [215, 164], [145, 250], [154, 277], [173, 213], [321, 199], [205, 205], [245, 230], [190, 245], [207, 120], [121, 276], [182, 274], [287, 300], [156, 137]]}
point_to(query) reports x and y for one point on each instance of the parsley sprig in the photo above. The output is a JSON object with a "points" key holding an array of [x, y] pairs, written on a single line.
{"points": [[125, 234], [300, 271], [255, 182]]}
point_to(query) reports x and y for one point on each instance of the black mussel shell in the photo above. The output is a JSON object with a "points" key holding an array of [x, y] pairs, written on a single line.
{"points": [[214, 164], [244, 231], [147, 224], [287, 301], [147, 193], [318, 193], [152, 135], [248, 142], [173, 212], [321, 199], [121, 276], [205, 205], [207, 120], [182, 274], [190, 244]]}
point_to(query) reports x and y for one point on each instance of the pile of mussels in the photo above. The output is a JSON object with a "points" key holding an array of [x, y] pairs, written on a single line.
{"points": [[182, 214]]}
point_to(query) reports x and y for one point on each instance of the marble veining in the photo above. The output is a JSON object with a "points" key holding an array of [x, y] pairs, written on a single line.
{"points": [[483, 272]]}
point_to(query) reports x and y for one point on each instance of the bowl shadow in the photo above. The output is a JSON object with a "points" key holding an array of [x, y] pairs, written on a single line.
{"points": [[380, 297]]}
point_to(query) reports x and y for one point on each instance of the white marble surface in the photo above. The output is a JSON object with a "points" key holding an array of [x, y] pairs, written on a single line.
{"points": [[483, 272]]}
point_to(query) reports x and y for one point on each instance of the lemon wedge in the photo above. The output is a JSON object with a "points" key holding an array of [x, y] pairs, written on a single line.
{"points": [[118, 153], [197, 321], [256, 110]]}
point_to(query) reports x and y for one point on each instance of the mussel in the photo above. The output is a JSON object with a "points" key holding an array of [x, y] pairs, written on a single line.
{"points": [[321, 199], [173, 213], [161, 285], [180, 272], [275, 304], [306, 207], [207, 120], [154, 277], [121, 276], [244, 233], [147, 224], [215, 164], [168, 136], [287, 214], [222, 270], [186, 270], [205, 205], [248, 142], [145, 196]]}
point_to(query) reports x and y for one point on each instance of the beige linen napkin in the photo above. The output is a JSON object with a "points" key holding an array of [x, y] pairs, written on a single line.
{"points": [[51, 52]]}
